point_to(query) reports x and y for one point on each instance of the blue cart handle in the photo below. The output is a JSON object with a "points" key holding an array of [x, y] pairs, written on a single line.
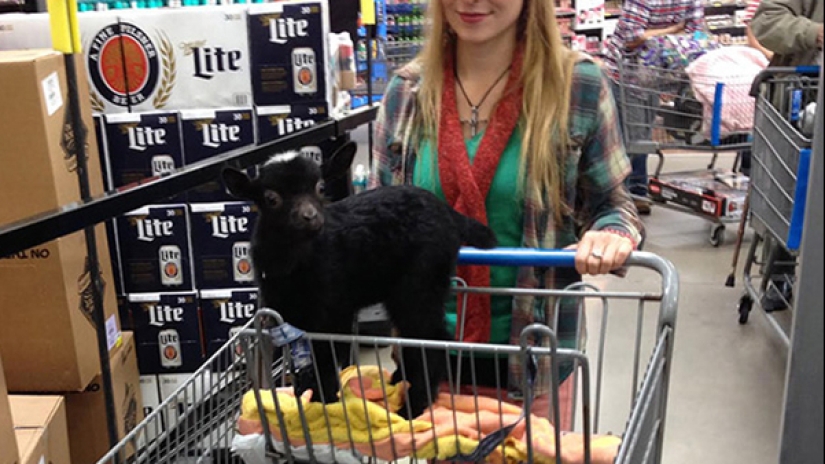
{"points": [[517, 257]]}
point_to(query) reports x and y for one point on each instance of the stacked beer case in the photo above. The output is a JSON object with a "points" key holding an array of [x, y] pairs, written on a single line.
{"points": [[171, 88]]}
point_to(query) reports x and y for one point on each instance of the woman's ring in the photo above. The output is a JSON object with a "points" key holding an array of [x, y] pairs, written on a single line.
{"points": [[596, 254]]}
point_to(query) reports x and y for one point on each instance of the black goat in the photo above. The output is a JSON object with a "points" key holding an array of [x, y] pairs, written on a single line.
{"points": [[319, 265]]}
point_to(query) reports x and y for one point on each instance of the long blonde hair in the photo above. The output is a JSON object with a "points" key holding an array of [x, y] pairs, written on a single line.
{"points": [[545, 76]]}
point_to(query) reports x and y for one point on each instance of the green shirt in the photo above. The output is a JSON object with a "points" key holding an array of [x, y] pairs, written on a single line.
{"points": [[504, 216]]}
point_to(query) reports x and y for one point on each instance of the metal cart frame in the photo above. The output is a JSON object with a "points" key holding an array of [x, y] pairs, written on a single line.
{"points": [[780, 167], [195, 423]]}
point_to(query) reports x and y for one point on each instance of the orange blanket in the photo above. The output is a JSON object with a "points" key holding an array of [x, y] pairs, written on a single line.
{"points": [[365, 420]]}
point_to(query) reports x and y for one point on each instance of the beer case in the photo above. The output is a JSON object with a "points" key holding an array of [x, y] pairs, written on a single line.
{"points": [[224, 312], [288, 44], [155, 249], [174, 58], [167, 331], [275, 122], [221, 241], [141, 147], [208, 133]]}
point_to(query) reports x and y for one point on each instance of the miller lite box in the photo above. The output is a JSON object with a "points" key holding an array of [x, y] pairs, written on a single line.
{"points": [[221, 242], [167, 330], [288, 41], [275, 122], [224, 313], [154, 250], [208, 133], [167, 59], [140, 147]]}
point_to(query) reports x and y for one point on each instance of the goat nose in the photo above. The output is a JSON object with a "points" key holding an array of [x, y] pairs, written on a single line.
{"points": [[310, 214]]}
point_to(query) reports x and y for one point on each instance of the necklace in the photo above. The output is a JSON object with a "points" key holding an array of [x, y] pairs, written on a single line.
{"points": [[474, 121]]}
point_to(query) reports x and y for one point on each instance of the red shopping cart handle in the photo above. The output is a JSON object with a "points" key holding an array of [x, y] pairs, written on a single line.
{"points": [[517, 257]]}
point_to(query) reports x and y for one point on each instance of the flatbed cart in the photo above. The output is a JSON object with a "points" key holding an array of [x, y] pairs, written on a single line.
{"points": [[779, 181], [666, 109], [198, 423]]}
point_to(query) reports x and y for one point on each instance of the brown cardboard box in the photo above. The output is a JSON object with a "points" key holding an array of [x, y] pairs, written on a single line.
{"points": [[47, 337], [40, 426], [8, 444], [39, 151], [86, 412]]}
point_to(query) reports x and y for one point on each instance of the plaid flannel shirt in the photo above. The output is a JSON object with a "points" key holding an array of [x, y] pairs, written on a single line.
{"points": [[641, 15], [593, 185]]}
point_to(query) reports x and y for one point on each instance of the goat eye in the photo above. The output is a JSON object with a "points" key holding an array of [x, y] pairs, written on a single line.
{"points": [[272, 198], [319, 187]]}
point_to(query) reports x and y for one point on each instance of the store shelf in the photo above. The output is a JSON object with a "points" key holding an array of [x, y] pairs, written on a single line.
{"points": [[732, 30], [71, 218]]}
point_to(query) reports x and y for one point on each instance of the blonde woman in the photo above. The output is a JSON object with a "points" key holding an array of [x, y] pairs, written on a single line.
{"points": [[507, 125]]}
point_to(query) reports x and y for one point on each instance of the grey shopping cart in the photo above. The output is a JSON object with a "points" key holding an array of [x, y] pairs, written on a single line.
{"points": [[779, 183], [250, 382]]}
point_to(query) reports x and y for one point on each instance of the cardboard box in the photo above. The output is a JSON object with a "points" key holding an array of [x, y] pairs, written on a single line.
{"points": [[8, 443], [41, 429], [39, 147], [289, 52], [48, 338], [221, 243], [167, 331], [154, 246], [275, 122], [208, 133], [141, 147], [86, 412], [224, 313]]}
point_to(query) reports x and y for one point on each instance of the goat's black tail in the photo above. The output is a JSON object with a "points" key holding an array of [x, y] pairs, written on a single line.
{"points": [[474, 233]]}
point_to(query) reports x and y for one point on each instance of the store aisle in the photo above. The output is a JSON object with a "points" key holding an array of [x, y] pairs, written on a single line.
{"points": [[727, 380]]}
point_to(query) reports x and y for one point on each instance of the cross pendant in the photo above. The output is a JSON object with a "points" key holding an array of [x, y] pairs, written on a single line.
{"points": [[473, 121]]}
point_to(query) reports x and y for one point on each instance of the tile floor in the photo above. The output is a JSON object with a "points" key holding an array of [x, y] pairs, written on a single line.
{"points": [[727, 382]]}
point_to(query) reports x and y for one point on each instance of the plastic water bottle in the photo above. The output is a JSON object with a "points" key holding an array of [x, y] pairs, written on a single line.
{"points": [[359, 179]]}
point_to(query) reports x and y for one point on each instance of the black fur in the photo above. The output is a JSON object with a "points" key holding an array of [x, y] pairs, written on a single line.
{"points": [[319, 265]]}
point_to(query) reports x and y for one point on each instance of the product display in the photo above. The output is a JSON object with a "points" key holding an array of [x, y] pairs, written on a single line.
{"points": [[288, 43], [167, 332], [174, 197], [208, 133], [221, 234], [140, 147], [155, 250]]}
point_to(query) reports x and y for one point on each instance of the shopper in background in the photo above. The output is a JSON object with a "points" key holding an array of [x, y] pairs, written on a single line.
{"points": [[750, 10], [792, 29], [501, 120], [641, 20]]}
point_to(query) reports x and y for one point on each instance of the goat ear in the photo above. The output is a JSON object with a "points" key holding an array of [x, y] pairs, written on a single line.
{"points": [[340, 162], [237, 183]]}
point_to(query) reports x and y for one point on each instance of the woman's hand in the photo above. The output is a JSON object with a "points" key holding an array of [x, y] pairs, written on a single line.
{"points": [[599, 252]]}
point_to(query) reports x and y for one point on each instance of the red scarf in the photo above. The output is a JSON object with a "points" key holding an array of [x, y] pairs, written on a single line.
{"points": [[465, 186]]}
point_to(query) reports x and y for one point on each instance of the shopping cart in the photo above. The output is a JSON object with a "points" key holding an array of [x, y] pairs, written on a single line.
{"points": [[196, 424], [779, 181], [672, 109]]}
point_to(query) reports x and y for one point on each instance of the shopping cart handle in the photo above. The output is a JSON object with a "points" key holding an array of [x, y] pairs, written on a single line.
{"points": [[766, 73], [517, 257]]}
